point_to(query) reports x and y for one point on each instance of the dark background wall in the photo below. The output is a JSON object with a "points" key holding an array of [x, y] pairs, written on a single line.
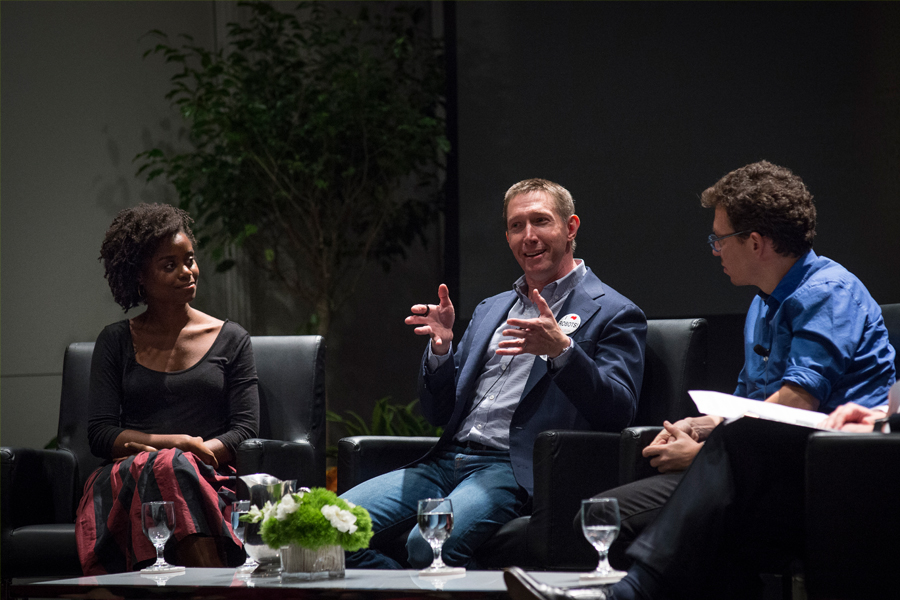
{"points": [[634, 107], [638, 107]]}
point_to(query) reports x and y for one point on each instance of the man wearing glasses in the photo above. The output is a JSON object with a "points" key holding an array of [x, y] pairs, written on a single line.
{"points": [[814, 338]]}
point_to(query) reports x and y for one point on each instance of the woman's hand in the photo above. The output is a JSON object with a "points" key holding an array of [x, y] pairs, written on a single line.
{"points": [[132, 442], [853, 417], [137, 448], [198, 448]]}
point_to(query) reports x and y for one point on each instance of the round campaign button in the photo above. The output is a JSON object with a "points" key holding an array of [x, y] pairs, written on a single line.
{"points": [[569, 323]]}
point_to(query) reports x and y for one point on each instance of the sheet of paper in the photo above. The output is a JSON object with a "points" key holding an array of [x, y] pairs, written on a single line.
{"points": [[894, 398], [732, 407]]}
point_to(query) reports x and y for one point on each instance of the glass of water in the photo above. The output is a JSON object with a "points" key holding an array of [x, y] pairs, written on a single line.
{"points": [[600, 523], [239, 509], [435, 525], [158, 522]]}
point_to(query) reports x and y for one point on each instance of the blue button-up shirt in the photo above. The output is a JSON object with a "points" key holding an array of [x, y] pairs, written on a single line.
{"points": [[503, 378], [823, 332]]}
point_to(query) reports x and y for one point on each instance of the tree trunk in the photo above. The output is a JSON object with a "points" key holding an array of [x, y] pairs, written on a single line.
{"points": [[323, 311]]}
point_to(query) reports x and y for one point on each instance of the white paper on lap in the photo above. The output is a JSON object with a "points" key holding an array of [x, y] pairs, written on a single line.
{"points": [[732, 407]]}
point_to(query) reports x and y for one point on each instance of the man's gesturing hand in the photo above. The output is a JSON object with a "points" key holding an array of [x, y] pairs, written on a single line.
{"points": [[435, 320], [541, 336]]}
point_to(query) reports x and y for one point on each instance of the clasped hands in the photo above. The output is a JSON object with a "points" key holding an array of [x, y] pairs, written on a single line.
{"points": [[540, 336], [186, 443], [675, 447]]}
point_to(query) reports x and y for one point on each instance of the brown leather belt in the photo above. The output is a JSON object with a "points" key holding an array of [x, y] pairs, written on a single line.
{"points": [[477, 447]]}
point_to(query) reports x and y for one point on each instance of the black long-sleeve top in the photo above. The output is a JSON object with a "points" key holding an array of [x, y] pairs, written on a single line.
{"points": [[215, 398]]}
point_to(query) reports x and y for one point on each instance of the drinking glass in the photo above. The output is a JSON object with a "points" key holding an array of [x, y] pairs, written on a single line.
{"points": [[600, 524], [158, 522], [238, 509], [435, 525]]}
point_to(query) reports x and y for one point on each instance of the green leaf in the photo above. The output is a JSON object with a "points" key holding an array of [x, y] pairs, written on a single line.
{"points": [[387, 419]]}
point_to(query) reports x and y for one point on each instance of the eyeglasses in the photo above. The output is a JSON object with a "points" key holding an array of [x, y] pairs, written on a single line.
{"points": [[714, 241]]}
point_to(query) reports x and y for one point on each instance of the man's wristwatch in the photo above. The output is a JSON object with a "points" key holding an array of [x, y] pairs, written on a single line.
{"points": [[882, 425], [560, 355]]}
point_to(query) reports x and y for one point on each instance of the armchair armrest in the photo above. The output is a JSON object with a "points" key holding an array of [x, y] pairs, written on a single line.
{"points": [[285, 460], [37, 514], [632, 464], [852, 487], [569, 466], [37, 487], [363, 457]]}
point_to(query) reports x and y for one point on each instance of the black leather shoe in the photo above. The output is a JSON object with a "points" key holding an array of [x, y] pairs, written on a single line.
{"points": [[522, 586]]}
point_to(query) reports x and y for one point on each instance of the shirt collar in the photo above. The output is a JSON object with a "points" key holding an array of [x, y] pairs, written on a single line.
{"points": [[554, 290], [796, 275]]}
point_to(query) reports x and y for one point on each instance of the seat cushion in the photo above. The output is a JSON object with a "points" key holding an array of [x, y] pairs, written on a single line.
{"points": [[27, 551]]}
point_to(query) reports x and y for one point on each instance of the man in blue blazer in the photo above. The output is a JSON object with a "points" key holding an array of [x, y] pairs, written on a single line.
{"points": [[559, 351]]}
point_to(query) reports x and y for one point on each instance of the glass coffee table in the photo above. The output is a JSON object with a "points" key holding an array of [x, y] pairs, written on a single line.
{"points": [[225, 584]]}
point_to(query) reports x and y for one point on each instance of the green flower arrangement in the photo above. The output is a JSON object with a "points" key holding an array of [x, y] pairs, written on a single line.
{"points": [[313, 518]]}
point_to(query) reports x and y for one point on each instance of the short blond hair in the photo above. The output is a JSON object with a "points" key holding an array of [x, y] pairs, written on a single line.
{"points": [[562, 199], [563, 202]]}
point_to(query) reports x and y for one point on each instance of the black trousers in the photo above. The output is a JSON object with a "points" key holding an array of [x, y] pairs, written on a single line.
{"points": [[737, 511]]}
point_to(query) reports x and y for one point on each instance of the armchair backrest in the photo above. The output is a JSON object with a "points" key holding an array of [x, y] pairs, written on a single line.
{"points": [[675, 362], [891, 314], [291, 372], [73, 411]]}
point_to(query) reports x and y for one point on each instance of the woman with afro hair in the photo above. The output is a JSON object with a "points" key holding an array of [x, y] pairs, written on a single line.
{"points": [[173, 393]]}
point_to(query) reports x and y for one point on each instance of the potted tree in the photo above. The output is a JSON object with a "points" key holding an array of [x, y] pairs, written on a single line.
{"points": [[318, 138]]}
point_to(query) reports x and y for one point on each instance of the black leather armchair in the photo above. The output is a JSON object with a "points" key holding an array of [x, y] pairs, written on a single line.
{"points": [[41, 488], [852, 524], [568, 465], [634, 466], [891, 314]]}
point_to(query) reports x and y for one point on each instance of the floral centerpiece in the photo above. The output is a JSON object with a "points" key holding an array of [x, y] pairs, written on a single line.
{"points": [[313, 528], [313, 518]]}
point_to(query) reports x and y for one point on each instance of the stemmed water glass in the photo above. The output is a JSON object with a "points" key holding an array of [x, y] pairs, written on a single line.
{"points": [[239, 509], [600, 523], [435, 525], [158, 522]]}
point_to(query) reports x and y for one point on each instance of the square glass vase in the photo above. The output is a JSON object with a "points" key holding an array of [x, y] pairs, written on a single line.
{"points": [[302, 564]]}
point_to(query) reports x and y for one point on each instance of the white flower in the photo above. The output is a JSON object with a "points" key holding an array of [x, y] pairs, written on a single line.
{"points": [[342, 520], [255, 514], [268, 511], [350, 504], [285, 507]]}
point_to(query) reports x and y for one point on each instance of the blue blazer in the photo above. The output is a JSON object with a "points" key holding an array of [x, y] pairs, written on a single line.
{"points": [[597, 389]]}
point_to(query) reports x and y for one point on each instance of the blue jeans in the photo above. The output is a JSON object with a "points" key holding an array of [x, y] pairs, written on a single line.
{"points": [[481, 485]]}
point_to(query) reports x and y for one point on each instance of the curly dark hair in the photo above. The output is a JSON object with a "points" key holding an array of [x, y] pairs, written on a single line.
{"points": [[769, 200], [132, 239]]}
